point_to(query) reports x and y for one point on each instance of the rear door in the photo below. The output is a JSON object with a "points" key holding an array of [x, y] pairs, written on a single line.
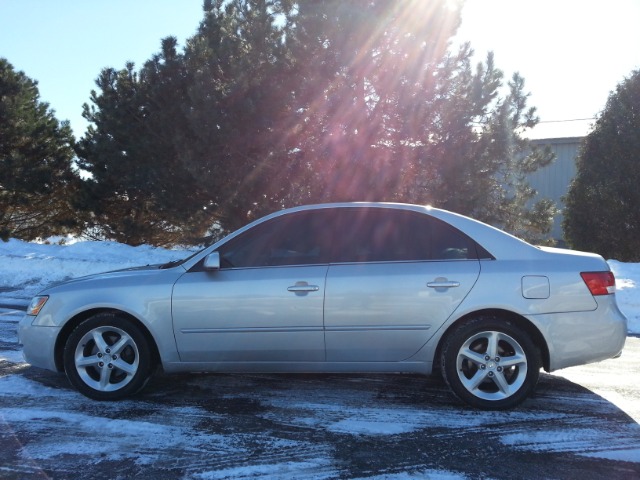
{"points": [[398, 277]]}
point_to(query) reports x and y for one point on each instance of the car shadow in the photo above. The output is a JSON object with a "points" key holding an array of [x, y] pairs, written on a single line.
{"points": [[553, 393]]}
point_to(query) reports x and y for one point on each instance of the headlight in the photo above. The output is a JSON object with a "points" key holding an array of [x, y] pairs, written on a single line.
{"points": [[36, 305]]}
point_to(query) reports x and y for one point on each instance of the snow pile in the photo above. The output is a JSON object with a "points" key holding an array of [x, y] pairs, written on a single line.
{"points": [[628, 291], [26, 268]]}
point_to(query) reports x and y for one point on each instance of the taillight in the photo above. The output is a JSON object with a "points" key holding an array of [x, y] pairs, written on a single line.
{"points": [[599, 283]]}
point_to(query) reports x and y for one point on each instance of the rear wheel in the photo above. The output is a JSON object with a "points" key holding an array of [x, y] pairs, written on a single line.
{"points": [[490, 363], [107, 357]]}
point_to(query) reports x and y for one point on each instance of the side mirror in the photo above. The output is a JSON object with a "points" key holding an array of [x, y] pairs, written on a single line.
{"points": [[212, 262]]}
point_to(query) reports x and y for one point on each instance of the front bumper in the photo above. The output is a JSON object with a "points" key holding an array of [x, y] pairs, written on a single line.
{"points": [[38, 343]]}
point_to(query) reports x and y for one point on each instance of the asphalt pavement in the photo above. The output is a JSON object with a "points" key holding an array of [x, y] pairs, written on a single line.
{"points": [[582, 423]]}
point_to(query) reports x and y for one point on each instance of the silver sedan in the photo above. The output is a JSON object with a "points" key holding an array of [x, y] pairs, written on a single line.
{"points": [[354, 287]]}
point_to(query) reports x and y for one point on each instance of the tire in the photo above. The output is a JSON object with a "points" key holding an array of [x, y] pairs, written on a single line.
{"points": [[490, 363], [107, 357]]}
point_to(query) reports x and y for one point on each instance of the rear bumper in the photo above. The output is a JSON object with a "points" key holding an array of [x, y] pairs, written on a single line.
{"points": [[577, 338]]}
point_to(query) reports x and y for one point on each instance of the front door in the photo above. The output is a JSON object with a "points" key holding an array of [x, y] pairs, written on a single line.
{"points": [[269, 314], [265, 303]]}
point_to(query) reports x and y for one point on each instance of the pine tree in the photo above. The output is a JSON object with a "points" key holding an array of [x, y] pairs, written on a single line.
{"points": [[191, 140], [239, 103], [138, 191], [388, 112], [276, 103], [603, 203], [37, 182]]}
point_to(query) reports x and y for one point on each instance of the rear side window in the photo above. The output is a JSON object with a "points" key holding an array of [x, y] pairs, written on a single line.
{"points": [[448, 243], [387, 235]]}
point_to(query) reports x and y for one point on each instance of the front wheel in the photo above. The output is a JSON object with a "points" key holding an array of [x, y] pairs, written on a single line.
{"points": [[107, 357], [490, 363]]}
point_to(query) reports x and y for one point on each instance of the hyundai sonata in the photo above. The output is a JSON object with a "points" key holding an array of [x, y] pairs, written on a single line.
{"points": [[354, 287]]}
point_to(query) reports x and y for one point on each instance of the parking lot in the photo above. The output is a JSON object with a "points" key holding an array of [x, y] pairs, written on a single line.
{"points": [[581, 423]]}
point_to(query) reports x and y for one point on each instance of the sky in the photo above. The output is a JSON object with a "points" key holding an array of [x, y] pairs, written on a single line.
{"points": [[571, 53]]}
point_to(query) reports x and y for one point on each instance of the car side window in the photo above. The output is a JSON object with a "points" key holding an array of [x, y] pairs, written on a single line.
{"points": [[347, 235], [390, 235], [448, 243], [301, 238]]}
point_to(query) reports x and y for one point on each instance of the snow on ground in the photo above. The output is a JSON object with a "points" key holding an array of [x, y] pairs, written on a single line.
{"points": [[26, 268], [294, 431]]}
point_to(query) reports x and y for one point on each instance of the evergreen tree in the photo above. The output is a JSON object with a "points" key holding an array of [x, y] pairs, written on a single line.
{"points": [[138, 192], [191, 140], [37, 182], [387, 112], [603, 203], [239, 102], [275, 103]]}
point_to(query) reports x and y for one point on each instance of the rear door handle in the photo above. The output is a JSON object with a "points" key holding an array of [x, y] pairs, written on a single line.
{"points": [[303, 287], [443, 283]]}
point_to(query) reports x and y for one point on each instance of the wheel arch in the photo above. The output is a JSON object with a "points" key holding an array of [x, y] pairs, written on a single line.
{"points": [[505, 315], [73, 322]]}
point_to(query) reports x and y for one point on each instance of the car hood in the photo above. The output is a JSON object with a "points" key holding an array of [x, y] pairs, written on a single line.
{"points": [[126, 275]]}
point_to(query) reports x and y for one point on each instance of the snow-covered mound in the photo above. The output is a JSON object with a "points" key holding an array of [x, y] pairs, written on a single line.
{"points": [[26, 268], [628, 292]]}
